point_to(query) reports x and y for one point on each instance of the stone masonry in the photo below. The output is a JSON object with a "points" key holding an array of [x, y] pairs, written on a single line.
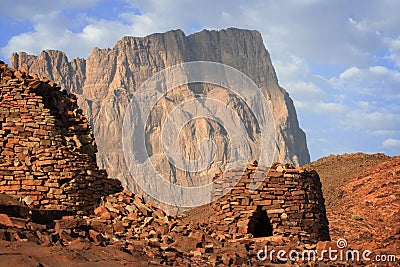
{"points": [[288, 202], [47, 150]]}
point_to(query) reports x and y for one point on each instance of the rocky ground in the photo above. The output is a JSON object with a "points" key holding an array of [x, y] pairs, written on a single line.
{"points": [[366, 209], [123, 231], [363, 205], [336, 170], [362, 198], [362, 194]]}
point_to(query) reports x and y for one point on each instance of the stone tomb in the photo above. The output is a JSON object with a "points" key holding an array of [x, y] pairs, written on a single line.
{"points": [[47, 150], [288, 203]]}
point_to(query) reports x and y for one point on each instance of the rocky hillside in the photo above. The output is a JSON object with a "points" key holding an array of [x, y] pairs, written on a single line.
{"points": [[106, 80], [362, 194], [336, 170]]}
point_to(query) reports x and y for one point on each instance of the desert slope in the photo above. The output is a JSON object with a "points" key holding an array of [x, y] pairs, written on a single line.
{"points": [[362, 194]]}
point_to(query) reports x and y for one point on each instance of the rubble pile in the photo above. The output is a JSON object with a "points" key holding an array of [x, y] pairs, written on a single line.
{"points": [[124, 221], [47, 152], [127, 223]]}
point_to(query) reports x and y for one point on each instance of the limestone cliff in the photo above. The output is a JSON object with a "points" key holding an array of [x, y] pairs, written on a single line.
{"points": [[106, 80]]}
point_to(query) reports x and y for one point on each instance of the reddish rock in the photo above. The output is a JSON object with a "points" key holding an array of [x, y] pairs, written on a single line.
{"points": [[326, 245], [100, 210], [12, 207], [19, 222], [101, 227], [5, 221], [71, 223], [80, 244], [118, 227], [96, 237]]}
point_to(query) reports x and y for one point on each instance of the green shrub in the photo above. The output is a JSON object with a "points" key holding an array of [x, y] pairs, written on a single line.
{"points": [[356, 217]]}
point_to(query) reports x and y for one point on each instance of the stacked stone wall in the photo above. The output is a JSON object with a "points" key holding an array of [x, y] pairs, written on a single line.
{"points": [[290, 198], [47, 149]]}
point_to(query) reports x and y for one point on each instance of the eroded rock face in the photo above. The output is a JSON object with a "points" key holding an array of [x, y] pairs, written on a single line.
{"points": [[106, 80]]}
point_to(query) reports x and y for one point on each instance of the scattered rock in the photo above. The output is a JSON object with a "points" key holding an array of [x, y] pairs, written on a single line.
{"points": [[5, 221]]}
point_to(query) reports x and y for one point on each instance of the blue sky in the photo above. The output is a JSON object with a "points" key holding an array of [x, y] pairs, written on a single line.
{"points": [[339, 60]]}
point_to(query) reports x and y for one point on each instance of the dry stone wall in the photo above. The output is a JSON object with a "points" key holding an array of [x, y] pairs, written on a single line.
{"points": [[47, 150], [288, 203]]}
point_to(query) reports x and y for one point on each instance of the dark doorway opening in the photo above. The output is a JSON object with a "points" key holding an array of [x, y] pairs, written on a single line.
{"points": [[259, 224]]}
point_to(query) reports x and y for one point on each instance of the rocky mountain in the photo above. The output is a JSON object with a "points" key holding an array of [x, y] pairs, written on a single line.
{"points": [[107, 79]]}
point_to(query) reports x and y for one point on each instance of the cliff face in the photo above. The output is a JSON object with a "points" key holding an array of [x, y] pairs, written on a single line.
{"points": [[106, 80]]}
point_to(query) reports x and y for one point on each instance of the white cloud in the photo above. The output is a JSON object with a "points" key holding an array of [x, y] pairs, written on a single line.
{"points": [[378, 81], [349, 73], [294, 75], [27, 10], [50, 33], [394, 49], [372, 96], [373, 120], [331, 109], [392, 145], [385, 133]]}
